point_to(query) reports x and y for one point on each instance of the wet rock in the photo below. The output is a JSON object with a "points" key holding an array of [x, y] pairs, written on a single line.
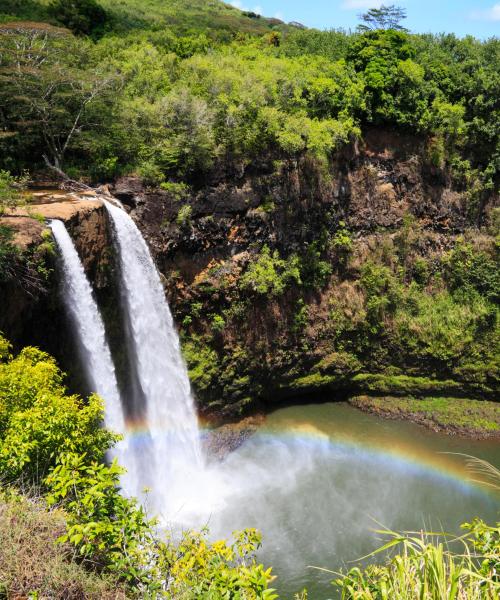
{"points": [[221, 441]]}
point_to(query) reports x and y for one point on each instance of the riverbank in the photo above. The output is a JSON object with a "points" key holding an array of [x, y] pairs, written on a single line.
{"points": [[477, 419]]}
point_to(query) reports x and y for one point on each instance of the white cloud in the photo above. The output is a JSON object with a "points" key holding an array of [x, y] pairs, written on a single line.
{"points": [[239, 4], [491, 14], [279, 15], [355, 4]]}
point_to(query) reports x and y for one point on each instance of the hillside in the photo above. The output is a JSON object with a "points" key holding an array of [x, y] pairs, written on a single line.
{"points": [[183, 15]]}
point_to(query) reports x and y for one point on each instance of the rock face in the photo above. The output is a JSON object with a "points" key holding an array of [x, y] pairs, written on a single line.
{"points": [[309, 325], [400, 211]]}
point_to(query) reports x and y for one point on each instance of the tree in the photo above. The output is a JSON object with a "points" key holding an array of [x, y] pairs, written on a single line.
{"points": [[47, 92], [81, 16], [385, 17]]}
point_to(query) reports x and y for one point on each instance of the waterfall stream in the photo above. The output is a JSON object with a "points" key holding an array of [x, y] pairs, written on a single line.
{"points": [[164, 436], [90, 337]]}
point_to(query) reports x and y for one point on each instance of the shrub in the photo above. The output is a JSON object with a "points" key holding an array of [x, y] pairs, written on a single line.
{"points": [[342, 240], [383, 293], [81, 16], [202, 363], [184, 215], [471, 269], [315, 272], [218, 324], [106, 528], [218, 570], [39, 421], [440, 327], [270, 274], [8, 253], [10, 195]]}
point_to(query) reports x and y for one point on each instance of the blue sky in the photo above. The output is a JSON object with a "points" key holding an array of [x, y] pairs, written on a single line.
{"points": [[480, 18]]}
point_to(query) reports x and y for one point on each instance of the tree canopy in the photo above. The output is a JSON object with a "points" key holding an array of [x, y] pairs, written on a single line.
{"points": [[385, 17]]}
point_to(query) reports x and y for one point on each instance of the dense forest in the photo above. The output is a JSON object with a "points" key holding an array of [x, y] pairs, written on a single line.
{"points": [[178, 100], [273, 169]]}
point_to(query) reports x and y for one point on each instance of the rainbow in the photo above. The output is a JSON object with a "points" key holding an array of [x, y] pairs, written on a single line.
{"points": [[400, 454]]}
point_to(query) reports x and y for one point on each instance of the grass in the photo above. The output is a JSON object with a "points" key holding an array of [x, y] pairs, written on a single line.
{"points": [[32, 564], [426, 568], [403, 385], [454, 415]]}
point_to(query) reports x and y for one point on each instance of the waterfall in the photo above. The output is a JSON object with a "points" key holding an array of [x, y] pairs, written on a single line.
{"points": [[91, 338], [164, 436]]}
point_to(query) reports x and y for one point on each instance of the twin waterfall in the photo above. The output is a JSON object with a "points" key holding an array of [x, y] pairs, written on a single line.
{"points": [[161, 448]]}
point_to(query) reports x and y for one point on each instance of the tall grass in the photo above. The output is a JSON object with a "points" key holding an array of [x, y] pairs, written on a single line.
{"points": [[425, 569]]}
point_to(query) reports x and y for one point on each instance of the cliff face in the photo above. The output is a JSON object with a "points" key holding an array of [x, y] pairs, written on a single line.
{"points": [[297, 277], [372, 274], [32, 311]]}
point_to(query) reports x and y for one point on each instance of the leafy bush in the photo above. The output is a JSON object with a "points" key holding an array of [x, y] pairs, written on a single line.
{"points": [[107, 529], [314, 271], [469, 269], [184, 215], [383, 293], [202, 363], [440, 327], [81, 16], [218, 570], [39, 422], [9, 190], [270, 274]]}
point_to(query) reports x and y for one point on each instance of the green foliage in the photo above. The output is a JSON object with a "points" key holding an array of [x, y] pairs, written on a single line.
{"points": [[8, 253], [81, 16], [342, 240], [217, 323], [427, 568], [383, 293], [300, 317], [469, 269], [395, 85], [314, 271], [184, 215], [184, 90], [202, 363], [441, 326], [218, 570], [10, 195], [51, 93], [39, 421], [178, 190], [106, 528], [56, 442], [270, 274]]}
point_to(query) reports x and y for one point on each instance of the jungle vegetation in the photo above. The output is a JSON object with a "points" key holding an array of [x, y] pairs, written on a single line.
{"points": [[179, 91]]}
